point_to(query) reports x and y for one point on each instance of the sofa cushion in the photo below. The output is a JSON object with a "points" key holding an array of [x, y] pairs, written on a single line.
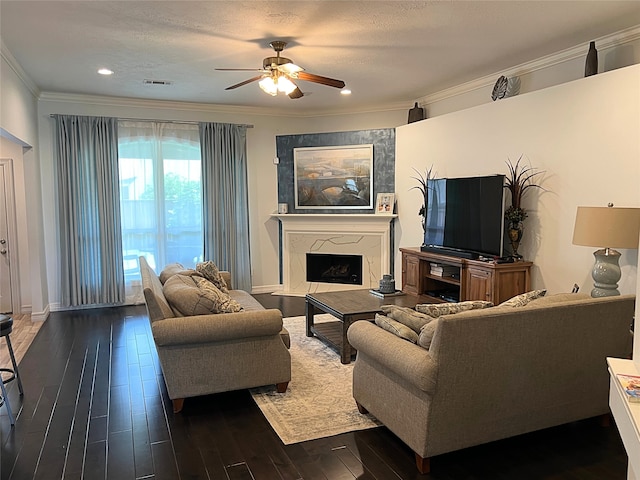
{"points": [[170, 270], [175, 269], [523, 299], [436, 310], [407, 316], [184, 296], [222, 302], [246, 301], [557, 298], [190, 295], [396, 328], [210, 271], [426, 334]]}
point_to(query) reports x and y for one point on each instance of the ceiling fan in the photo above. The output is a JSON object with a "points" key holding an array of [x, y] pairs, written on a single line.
{"points": [[279, 73]]}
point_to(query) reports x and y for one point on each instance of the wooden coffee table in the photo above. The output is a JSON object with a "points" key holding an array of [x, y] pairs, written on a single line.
{"points": [[348, 306]]}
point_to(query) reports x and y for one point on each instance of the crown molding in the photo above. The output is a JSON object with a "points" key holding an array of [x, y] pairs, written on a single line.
{"points": [[19, 71], [609, 41], [72, 98]]}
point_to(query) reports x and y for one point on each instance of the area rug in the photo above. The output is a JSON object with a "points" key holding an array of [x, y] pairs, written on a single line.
{"points": [[318, 402]]}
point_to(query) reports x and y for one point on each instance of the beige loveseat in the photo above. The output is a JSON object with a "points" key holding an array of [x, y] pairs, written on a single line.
{"points": [[492, 373], [204, 354]]}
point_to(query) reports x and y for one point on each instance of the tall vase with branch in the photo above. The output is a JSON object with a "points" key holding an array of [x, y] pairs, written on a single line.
{"points": [[520, 180], [423, 186]]}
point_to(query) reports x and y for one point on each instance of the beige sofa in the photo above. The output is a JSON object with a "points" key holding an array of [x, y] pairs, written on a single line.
{"points": [[204, 354], [492, 373]]}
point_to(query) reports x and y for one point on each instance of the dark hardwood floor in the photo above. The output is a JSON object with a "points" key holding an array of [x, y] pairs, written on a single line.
{"points": [[95, 407]]}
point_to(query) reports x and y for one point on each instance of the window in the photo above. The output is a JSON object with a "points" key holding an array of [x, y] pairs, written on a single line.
{"points": [[160, 195]]}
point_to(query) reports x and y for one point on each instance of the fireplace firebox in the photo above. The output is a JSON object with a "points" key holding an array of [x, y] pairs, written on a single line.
{"points": [[332, 268]]}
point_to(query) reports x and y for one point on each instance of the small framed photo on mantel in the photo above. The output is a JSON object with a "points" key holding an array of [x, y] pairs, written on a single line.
{"points": [[385, 203]]}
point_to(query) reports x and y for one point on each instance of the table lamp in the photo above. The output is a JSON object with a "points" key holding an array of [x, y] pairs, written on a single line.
{"points": [[607, 227]]}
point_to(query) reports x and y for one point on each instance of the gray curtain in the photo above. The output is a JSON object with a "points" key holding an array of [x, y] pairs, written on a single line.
{"points": [[225, 200], [90, 254]]}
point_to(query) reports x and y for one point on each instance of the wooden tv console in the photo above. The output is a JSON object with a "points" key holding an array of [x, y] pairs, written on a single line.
{"points": [[471, 279]]}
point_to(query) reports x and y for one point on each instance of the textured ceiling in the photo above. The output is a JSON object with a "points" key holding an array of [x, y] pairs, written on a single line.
{"points": [[387, 52]]}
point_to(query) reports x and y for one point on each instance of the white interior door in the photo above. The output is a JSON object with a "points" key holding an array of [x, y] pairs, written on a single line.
{"points": [[5, 264]]}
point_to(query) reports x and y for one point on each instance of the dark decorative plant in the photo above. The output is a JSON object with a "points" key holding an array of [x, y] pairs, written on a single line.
{"points": [[518, 182], [423, 186]]}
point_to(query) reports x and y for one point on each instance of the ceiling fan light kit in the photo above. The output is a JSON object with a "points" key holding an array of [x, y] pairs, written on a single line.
{"points": [[279, 84], [279, 73]]}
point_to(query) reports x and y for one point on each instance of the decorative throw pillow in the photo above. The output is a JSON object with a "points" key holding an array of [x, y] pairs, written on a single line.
{"points": [[222, 302], [427, 332], [171, 270], [524, 298], [407, 316], [210, 271], [435, 310], [396, 328], [184, 296]]}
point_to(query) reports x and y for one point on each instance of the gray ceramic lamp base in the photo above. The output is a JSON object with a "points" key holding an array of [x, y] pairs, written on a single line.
{"points": [[606, 273]]}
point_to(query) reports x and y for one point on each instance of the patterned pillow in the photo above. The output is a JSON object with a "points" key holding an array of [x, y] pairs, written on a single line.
{"points": [[435, 310], [210, 271], [222, 302], [523, 299], [396, 328], [427, 332], [407, 316]]}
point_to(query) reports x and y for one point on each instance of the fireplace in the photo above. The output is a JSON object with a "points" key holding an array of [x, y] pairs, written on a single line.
{"points": [[331, 268], [365, 236]]}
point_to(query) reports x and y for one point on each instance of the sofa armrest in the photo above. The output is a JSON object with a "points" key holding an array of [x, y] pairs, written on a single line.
{"points": [[219, 327], [405, 359]]}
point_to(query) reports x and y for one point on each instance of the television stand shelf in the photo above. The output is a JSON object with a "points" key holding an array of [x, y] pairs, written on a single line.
{"points": [[447, 278]]}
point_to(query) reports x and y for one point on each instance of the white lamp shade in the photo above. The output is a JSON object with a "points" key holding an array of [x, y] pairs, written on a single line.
{"points": [[269, 86], [608, 227], [285, 85]]}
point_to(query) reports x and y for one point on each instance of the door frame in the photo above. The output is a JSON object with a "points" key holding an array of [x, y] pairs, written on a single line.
{"points": [[12, 229]]}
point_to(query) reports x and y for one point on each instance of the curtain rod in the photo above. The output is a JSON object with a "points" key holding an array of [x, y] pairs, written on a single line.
{"points": [[185, 122]]}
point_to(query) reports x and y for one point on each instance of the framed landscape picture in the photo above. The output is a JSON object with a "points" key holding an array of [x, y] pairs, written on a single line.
{"points": [[333, 177]]}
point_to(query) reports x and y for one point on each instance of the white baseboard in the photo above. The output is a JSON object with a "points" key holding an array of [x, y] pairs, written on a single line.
{"points": [[40, 316]]}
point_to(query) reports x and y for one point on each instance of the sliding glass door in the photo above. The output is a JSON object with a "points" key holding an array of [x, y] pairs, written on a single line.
{"points": [[160, 196]]}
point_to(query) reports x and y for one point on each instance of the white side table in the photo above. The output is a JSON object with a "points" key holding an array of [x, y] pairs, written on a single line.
{"points": [[627, 414]]}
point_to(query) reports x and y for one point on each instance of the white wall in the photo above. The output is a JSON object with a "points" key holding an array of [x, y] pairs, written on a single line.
{"points": [[584, 134], [18, 129]]}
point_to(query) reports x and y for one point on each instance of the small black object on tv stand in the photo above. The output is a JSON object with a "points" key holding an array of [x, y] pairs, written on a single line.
{"points": [[454, 252]]}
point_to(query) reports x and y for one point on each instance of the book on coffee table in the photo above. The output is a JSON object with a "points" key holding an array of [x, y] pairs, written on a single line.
{"points": [[380, 294]]}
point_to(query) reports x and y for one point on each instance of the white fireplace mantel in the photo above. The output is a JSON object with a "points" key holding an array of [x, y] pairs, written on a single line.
{"points": [[368, 235]]}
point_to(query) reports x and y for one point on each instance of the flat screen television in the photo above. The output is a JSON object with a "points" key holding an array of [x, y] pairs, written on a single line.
{"points": [[465, 216]]}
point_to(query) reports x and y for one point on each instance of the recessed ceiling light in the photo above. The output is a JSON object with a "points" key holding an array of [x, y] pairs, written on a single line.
{"points": [[105, 71], [345, 91]]}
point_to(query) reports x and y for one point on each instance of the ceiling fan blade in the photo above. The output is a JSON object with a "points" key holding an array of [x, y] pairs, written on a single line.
{"points": [[244, 83], [297, 93], [330, 82], [240, 69]]}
